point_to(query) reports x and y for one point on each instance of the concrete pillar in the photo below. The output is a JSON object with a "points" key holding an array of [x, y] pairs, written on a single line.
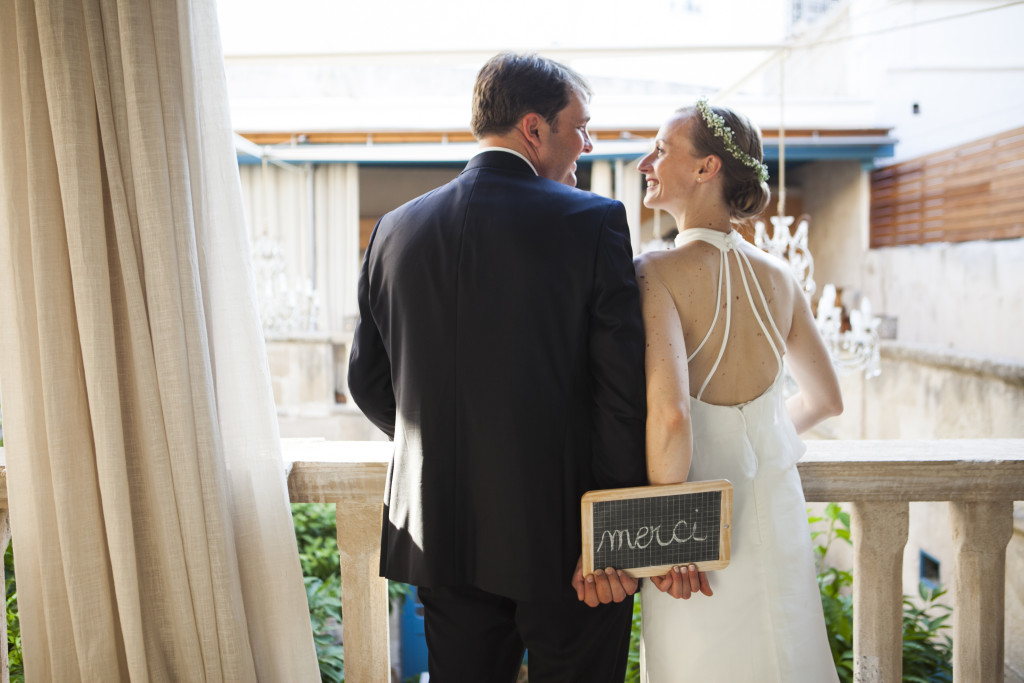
{"points": [[629, 191], [981, 531], [364, 594], [601, 180], [879, 532]]}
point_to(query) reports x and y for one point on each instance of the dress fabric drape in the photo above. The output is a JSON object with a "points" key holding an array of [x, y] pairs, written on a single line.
{"points": [[149, 510]]}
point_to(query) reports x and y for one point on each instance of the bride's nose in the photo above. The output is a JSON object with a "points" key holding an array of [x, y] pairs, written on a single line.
{"points": [[645, 163]]}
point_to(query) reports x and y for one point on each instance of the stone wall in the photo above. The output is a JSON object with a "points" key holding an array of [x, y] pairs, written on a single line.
{"points": [[966, 298]]}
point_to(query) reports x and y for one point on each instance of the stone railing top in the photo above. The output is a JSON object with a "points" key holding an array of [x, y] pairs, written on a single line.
{"points": [[890, 470], [840, 471], [1006, 369], [328, 471], [903, 470]]}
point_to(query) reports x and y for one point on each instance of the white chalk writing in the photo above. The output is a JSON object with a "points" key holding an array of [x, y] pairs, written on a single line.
{"points": [[640, 539]]}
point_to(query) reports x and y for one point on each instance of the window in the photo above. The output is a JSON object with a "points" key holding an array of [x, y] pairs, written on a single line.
{"points": [[930, 571]]}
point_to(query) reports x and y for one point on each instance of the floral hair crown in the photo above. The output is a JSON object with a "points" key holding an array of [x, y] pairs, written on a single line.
{"points": [[724, 133]]}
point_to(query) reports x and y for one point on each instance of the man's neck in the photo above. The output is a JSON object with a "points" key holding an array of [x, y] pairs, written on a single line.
{"points": [[511, 142], [493, 148]]}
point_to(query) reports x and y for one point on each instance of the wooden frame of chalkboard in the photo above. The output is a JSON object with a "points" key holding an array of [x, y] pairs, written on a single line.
{"points": [[647, 530]]}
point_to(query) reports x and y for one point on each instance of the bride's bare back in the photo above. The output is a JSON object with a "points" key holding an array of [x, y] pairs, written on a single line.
{"points": [[680, 296], [749, 364]]}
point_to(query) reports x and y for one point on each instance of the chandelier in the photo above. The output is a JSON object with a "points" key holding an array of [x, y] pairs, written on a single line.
{"points": [[850, 337], [284, 309]]}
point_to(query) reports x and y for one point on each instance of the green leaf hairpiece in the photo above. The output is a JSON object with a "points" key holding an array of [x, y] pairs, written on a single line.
{"points": [[724, 133]]}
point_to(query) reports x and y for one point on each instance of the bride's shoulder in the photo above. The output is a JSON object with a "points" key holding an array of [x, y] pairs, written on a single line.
{"points": [[660, 258], [764, 260], [652, 263]]}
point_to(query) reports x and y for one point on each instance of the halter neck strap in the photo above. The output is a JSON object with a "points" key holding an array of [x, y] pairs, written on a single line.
{"points": [[727, 242]]}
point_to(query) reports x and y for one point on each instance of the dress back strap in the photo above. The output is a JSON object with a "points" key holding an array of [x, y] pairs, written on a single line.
{"points": [[729, 243]]}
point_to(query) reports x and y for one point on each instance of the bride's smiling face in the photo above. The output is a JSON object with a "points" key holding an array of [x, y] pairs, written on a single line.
{"points": [[672, 167]]}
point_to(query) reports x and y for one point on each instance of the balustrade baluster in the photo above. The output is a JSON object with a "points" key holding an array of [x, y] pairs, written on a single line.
{"points": [[981, 531], [364, 594], [879, 532]]}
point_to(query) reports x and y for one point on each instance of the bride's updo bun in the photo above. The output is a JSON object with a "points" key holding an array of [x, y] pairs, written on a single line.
{"points": [[745, 186], [748, 199]]}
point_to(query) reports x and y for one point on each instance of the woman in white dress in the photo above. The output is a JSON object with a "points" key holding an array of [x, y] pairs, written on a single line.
{"points": [[719, 315]]}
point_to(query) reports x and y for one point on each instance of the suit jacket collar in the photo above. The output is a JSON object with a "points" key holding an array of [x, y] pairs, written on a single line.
{"points": [[499, 160]]}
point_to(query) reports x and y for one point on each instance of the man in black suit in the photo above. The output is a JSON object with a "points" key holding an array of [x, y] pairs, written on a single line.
{"points": [[500, 345]]}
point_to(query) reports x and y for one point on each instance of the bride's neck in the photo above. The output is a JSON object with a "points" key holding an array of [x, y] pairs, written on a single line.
{"points": [[709, 220], [704, 210]]}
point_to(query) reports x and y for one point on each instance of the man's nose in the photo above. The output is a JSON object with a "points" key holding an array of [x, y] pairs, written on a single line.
{"points": [[588, 143]]}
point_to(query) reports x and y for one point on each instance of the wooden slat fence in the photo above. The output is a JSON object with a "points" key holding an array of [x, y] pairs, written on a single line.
{"points": [[971, 192]]}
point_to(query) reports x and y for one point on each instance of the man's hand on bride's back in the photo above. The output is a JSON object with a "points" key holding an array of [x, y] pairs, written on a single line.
{"points": [[682, 582], [603, 586]]}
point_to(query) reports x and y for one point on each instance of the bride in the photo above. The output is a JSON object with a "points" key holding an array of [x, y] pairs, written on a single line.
{"points": [[719, 315]]}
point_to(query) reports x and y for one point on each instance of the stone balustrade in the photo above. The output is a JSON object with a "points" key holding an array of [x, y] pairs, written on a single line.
{"points": [[980, 479]]}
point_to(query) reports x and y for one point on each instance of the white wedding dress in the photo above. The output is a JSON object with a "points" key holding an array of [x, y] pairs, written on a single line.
{"points": [[764, 622]]}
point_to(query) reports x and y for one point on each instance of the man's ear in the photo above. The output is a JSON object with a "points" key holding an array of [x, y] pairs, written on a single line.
{"points": [[530, 126]]}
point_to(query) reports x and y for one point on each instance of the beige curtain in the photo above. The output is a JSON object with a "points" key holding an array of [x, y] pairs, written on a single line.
{"points": [[152, 535]]}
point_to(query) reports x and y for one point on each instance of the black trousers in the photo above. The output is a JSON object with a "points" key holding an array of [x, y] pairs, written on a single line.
{"points": [[477, 637]]}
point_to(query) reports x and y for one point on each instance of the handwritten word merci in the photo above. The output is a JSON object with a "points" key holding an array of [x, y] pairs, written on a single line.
{"points": [[646, 535]]}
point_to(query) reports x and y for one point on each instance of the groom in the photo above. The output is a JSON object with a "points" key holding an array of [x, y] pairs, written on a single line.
{"points": [[500, 345]]}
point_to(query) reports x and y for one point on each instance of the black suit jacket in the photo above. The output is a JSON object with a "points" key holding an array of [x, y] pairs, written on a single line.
{"points": [[500, 345]]}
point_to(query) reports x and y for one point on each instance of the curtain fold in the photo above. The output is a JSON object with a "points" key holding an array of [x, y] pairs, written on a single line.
{"points": [[148, 503]]}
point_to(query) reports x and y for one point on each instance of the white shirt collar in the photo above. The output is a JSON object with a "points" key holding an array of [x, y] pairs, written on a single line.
{"points": [[510, 151]]}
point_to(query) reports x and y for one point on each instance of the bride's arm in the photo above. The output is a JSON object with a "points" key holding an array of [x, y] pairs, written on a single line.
{"points": [[819, 396], [669, 435], [669, 444]]}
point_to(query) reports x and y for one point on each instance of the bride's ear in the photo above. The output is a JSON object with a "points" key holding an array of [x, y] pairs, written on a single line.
{"points": [[711, 166]]}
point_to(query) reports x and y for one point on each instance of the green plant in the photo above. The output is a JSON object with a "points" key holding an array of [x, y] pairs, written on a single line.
{"points": [[317, 539], [324, 598], [927, 654], [14, 660], [833, 584], [633, 658]]}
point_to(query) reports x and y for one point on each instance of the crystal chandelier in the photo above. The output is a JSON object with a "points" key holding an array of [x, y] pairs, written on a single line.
{"points": [[284, 309], [851, 340], [790, 247]]}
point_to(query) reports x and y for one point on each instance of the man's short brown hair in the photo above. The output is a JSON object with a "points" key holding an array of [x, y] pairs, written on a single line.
{"points": [[510, 86]]}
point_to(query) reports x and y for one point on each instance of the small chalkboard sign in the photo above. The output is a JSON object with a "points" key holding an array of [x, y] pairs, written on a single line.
{"points": [[646, 530]]}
